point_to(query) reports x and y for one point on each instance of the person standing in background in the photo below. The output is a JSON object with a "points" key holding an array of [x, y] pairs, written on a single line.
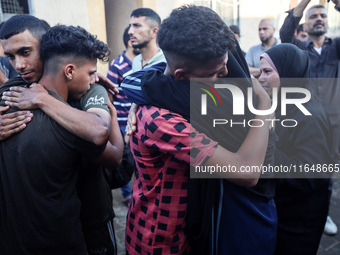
{"points": [[266, 34], [119, 68], [324, 54], [236, 30], [143, 28], [301, 33]]}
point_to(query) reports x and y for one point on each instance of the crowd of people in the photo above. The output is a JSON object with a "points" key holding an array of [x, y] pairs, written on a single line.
{"points": [[69, 135]]}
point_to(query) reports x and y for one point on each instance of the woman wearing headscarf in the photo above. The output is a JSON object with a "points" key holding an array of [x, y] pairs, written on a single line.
{"points": [[302, 203]]}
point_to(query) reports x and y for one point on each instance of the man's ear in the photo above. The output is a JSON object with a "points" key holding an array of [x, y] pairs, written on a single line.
{"points": [[181, 74], [154, 32], [69, 71]]}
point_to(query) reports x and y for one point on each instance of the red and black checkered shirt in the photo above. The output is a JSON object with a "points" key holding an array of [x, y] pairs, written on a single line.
{"points": [[156, 222]]}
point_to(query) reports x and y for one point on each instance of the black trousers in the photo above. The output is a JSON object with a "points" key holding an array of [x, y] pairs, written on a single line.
{"points": [[101, 240], [302, 218]]}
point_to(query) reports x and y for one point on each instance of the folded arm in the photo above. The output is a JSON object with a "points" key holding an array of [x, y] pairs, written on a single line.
{"points": [[252, 151], [95, 125], [12, 123], [112, 156]]}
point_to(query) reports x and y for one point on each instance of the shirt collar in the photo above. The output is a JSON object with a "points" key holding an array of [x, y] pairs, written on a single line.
{"points": [[309, 42]]}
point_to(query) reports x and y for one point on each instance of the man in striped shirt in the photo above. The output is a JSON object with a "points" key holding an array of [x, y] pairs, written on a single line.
{"points": [[118, 70], [121, 67]]}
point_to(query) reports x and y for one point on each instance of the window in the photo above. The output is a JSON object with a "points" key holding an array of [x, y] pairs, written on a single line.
{"points": [[227, 9], [9, 8]]}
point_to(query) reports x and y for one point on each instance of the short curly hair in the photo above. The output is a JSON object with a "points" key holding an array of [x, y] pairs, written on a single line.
{"points": [[69, 41], [193, 35]]}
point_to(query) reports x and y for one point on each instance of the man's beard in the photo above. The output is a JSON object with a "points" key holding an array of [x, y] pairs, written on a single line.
{"points": [[136, 51], [140, 45], [318, 32], [266, 40]]}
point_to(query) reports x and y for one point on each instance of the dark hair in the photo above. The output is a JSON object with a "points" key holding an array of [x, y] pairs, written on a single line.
{"points": [[317, 6], [21, 22], [69, 41], [147, 13], [45, 23], [300, 28], [235, 29], [193, 35], [126, 37]]}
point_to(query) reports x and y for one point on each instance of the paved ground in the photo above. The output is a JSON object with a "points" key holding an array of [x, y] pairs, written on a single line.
{"points": [[330, 245]]}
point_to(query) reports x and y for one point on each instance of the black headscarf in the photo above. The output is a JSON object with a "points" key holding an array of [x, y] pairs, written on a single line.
{"points": [[292, 65], [291, 62]]}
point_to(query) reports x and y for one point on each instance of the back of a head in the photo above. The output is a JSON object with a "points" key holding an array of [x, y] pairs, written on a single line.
{"points": [[194, 34], [148, 14], [235, 29], [20, 23], [65, 42]]}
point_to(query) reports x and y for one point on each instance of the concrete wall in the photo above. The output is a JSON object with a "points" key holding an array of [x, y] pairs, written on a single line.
{"points": [[117, 19], [252, 12], [109, 18], [89, 14]]}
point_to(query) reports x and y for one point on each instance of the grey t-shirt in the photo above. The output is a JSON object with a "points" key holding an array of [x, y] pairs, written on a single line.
{"points": [[254, 53]]}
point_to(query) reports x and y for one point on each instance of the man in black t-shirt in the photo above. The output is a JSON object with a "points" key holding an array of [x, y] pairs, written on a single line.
{"points": [[89, 123], [39, 166]]}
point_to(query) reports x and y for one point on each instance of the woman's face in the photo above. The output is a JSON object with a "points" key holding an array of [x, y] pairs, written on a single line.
{"points": [[269, 78]]}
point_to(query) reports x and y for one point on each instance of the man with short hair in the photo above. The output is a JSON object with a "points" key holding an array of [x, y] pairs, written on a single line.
{"points": [[236, 30], [324, 54], [169, 211], [144, 25], [47, 219], [118, 70], [26, 31], [301, 33], [266, 34]]}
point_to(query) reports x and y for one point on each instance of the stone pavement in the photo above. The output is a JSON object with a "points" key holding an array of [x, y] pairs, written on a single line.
{"points": [[330, 245]]}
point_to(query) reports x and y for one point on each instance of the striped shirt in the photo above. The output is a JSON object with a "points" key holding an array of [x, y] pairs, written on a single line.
{"points": [[118, 70]]}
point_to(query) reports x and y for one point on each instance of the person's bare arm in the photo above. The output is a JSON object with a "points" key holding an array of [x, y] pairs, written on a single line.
{"points": [[252, 151], [131, 125], [112, 156], [93, 126], [256, 72], [105, 82], [298, 10], [12, 123]]}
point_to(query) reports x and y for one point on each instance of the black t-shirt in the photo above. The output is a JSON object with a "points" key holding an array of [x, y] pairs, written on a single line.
{"points": [[92, 188], [39, 209]]}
